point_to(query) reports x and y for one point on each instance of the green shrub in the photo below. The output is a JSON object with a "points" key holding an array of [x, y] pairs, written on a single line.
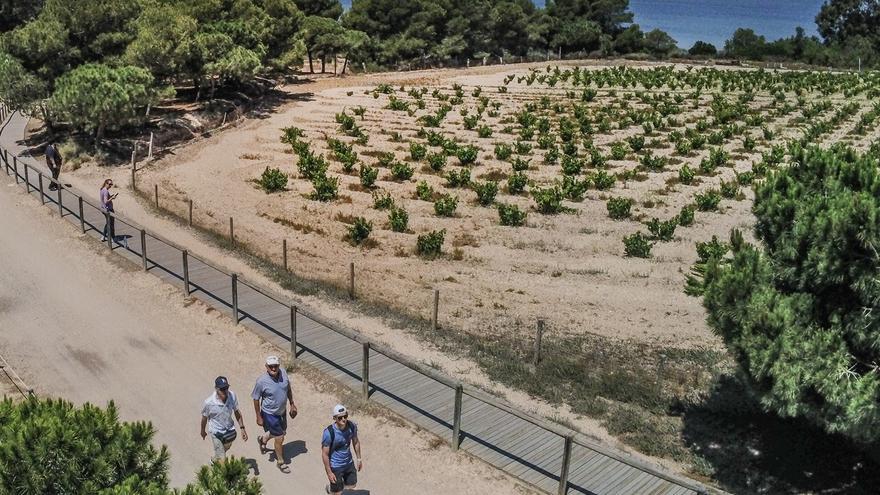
{"points": [[503, 151], [486, 192], [445, 205], [571, 165], [637, 246], [548, 199], [462, 178], [686, 216], [686, 175], [653, 163], [636, 143], [368, 175], [574, 189], [602, 180], [417, 151], [718, 157], [698, 141], [551, 156], [683, 147], [471, 121], [401, 171], [519, 164], [708, 201], [745, 178], [618, 151], [729, 190], [511, 215], [466, 154], [326, 188], [311, 165], [291, 135], [517, 182], [619, 208], [546, 141], [430, 244], [359, 230], [398, 218], [424, 191], [484, 132], [522, 148], [385, 158], [749, 143], [382, 200], [663, 231], [273, 180], [437, 161]]}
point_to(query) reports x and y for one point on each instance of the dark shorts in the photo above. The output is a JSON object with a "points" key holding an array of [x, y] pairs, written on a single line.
{"points": [[274, 424], [345, 476]]}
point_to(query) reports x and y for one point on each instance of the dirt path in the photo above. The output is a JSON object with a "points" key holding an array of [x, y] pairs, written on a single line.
{"points": [[77, 323]]}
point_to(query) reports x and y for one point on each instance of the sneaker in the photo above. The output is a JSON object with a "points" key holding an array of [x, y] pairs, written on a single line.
{"points": [[327, 489], [103, 239]]}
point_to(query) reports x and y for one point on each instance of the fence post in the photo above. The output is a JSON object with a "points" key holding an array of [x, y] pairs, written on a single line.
{"points": [[284, 253], [365, 372], [235, 297], [15, 167], [150, 153], [144, 248], [231, 232], [539, 335], [133, 179], [156, 194], [190, 213], [566, 463], [27, 180], [40, 184], [82, 217], [293, 333], [434, 324], [185, 272], [60, 204], [351, 279], [456, 417]]}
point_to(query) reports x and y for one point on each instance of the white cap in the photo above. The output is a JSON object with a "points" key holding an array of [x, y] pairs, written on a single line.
{"points": [[272, 361], [339, 410]]}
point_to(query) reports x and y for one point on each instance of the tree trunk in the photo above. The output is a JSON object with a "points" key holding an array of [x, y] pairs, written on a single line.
{"points": [[335, 72], [311, 67], [197, 85], [323, 63], [99, 133], [344, 65]]}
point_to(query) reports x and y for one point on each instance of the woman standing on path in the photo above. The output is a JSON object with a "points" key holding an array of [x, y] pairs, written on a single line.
{"points": [[107, 206]]}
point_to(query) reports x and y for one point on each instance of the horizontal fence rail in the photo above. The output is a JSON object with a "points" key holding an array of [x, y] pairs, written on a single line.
{"points": [[543, 454]]}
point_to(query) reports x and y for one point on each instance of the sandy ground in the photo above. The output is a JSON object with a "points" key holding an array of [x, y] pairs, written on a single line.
{"points": [[86, 326]]}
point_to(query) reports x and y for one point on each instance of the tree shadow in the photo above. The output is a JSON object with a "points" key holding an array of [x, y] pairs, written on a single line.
{"points": [[752, 451]]}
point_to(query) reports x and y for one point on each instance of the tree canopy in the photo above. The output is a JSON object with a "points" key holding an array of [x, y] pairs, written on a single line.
{"points": [[52, 447], [800, 310]]}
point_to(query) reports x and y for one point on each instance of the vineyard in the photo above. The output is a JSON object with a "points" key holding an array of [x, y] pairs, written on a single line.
{"points": [[574, 194]]}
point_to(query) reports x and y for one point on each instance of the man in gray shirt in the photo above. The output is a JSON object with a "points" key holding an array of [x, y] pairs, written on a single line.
{"points": [[270, 395]]}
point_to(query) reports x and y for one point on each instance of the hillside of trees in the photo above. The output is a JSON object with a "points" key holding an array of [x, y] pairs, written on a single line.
{"points": [[96, 65]]}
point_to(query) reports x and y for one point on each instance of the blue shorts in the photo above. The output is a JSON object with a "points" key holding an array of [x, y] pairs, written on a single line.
{"points": [[346, 476], [275, 424]]}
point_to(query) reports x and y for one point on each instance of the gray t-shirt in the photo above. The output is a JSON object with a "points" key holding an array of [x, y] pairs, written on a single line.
{"points": [[220, 413], [273, 393]]}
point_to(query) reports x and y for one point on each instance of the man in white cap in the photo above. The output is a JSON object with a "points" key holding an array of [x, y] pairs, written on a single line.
{"points": [[336, 443], [217, 417], [270, 395]]}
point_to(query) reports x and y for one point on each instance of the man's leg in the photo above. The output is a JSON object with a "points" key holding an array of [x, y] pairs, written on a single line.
{"points": [[350, 477], [219, 449], [279, 443]]}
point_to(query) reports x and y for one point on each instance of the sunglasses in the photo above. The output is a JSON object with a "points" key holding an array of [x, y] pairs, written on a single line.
{"points": [[345, 417], [272, 366]]}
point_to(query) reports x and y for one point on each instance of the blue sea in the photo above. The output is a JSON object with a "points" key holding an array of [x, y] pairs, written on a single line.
{"points": [[715, 20]]}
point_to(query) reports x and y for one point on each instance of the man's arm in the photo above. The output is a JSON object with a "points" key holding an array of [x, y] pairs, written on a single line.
{"points": [[325, 456], [204, 423], [257, 412], [356, 443], [293, 410], [241, 425]]}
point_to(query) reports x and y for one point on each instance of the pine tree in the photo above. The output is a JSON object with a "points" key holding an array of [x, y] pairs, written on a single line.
{"points": [[800, 312]]}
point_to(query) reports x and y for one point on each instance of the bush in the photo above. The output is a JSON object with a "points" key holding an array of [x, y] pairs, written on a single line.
{"points": [[273, 180], [618, 151], [291, 135], [466, 154], [462, 178], [326, 188], [398, 218], [503, 151], [368, 175], [359, 230], [602, 180], [619, 208], [574, 189], [417, 151], [511, 215], [653, 163], [385, 158], [445, 205], [636, 143], [663, 231], [708, 201], [517, 182], [437, 161], [637, 246], [424, 191], [311, 165], [401, 171], [729, 190], [522, 148], [520, 164], [571, 165], [548, 199], [686, 216], [484, 132], [683, 147], [430, 244], [745, 178], [382, 200], [686, 175], [486, 192]]}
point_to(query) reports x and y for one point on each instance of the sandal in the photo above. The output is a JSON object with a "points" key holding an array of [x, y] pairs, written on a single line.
{"points": [[262, 444], [284, 468]]}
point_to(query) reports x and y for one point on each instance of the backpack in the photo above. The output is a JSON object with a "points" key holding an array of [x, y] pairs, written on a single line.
{"points": [[332, 432]]}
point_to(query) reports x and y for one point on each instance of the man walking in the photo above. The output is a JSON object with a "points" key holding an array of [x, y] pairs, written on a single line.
{"points": [[336, 443], [53, 161], [270, 395], [107, 207], [217, 416]]}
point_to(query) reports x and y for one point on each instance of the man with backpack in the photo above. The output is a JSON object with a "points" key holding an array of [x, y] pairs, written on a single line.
{"points": [[336, 443], [217, 415]]}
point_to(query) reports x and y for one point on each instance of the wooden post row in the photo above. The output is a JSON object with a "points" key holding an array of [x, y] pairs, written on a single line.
{"points": [[235, 297], [156, 194], [434, 324], [60, 202], [111, 232], [190, 213], [185, 255], [456, 417], [284, 253], [82, 217], [144, 248], [365, 372], [231, 231], [351, 280], [566, 463], [293, 312], [539, 336], [40, 185], [27, 180]]}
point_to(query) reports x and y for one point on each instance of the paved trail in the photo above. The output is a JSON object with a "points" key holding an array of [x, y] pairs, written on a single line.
{"points": [[78, 323]]}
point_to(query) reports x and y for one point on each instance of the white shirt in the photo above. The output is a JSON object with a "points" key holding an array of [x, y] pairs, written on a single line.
{"points": [[220, 414]]}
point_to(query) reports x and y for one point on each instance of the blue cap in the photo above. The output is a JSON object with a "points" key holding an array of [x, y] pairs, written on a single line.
{"points": [[221, 382]]}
